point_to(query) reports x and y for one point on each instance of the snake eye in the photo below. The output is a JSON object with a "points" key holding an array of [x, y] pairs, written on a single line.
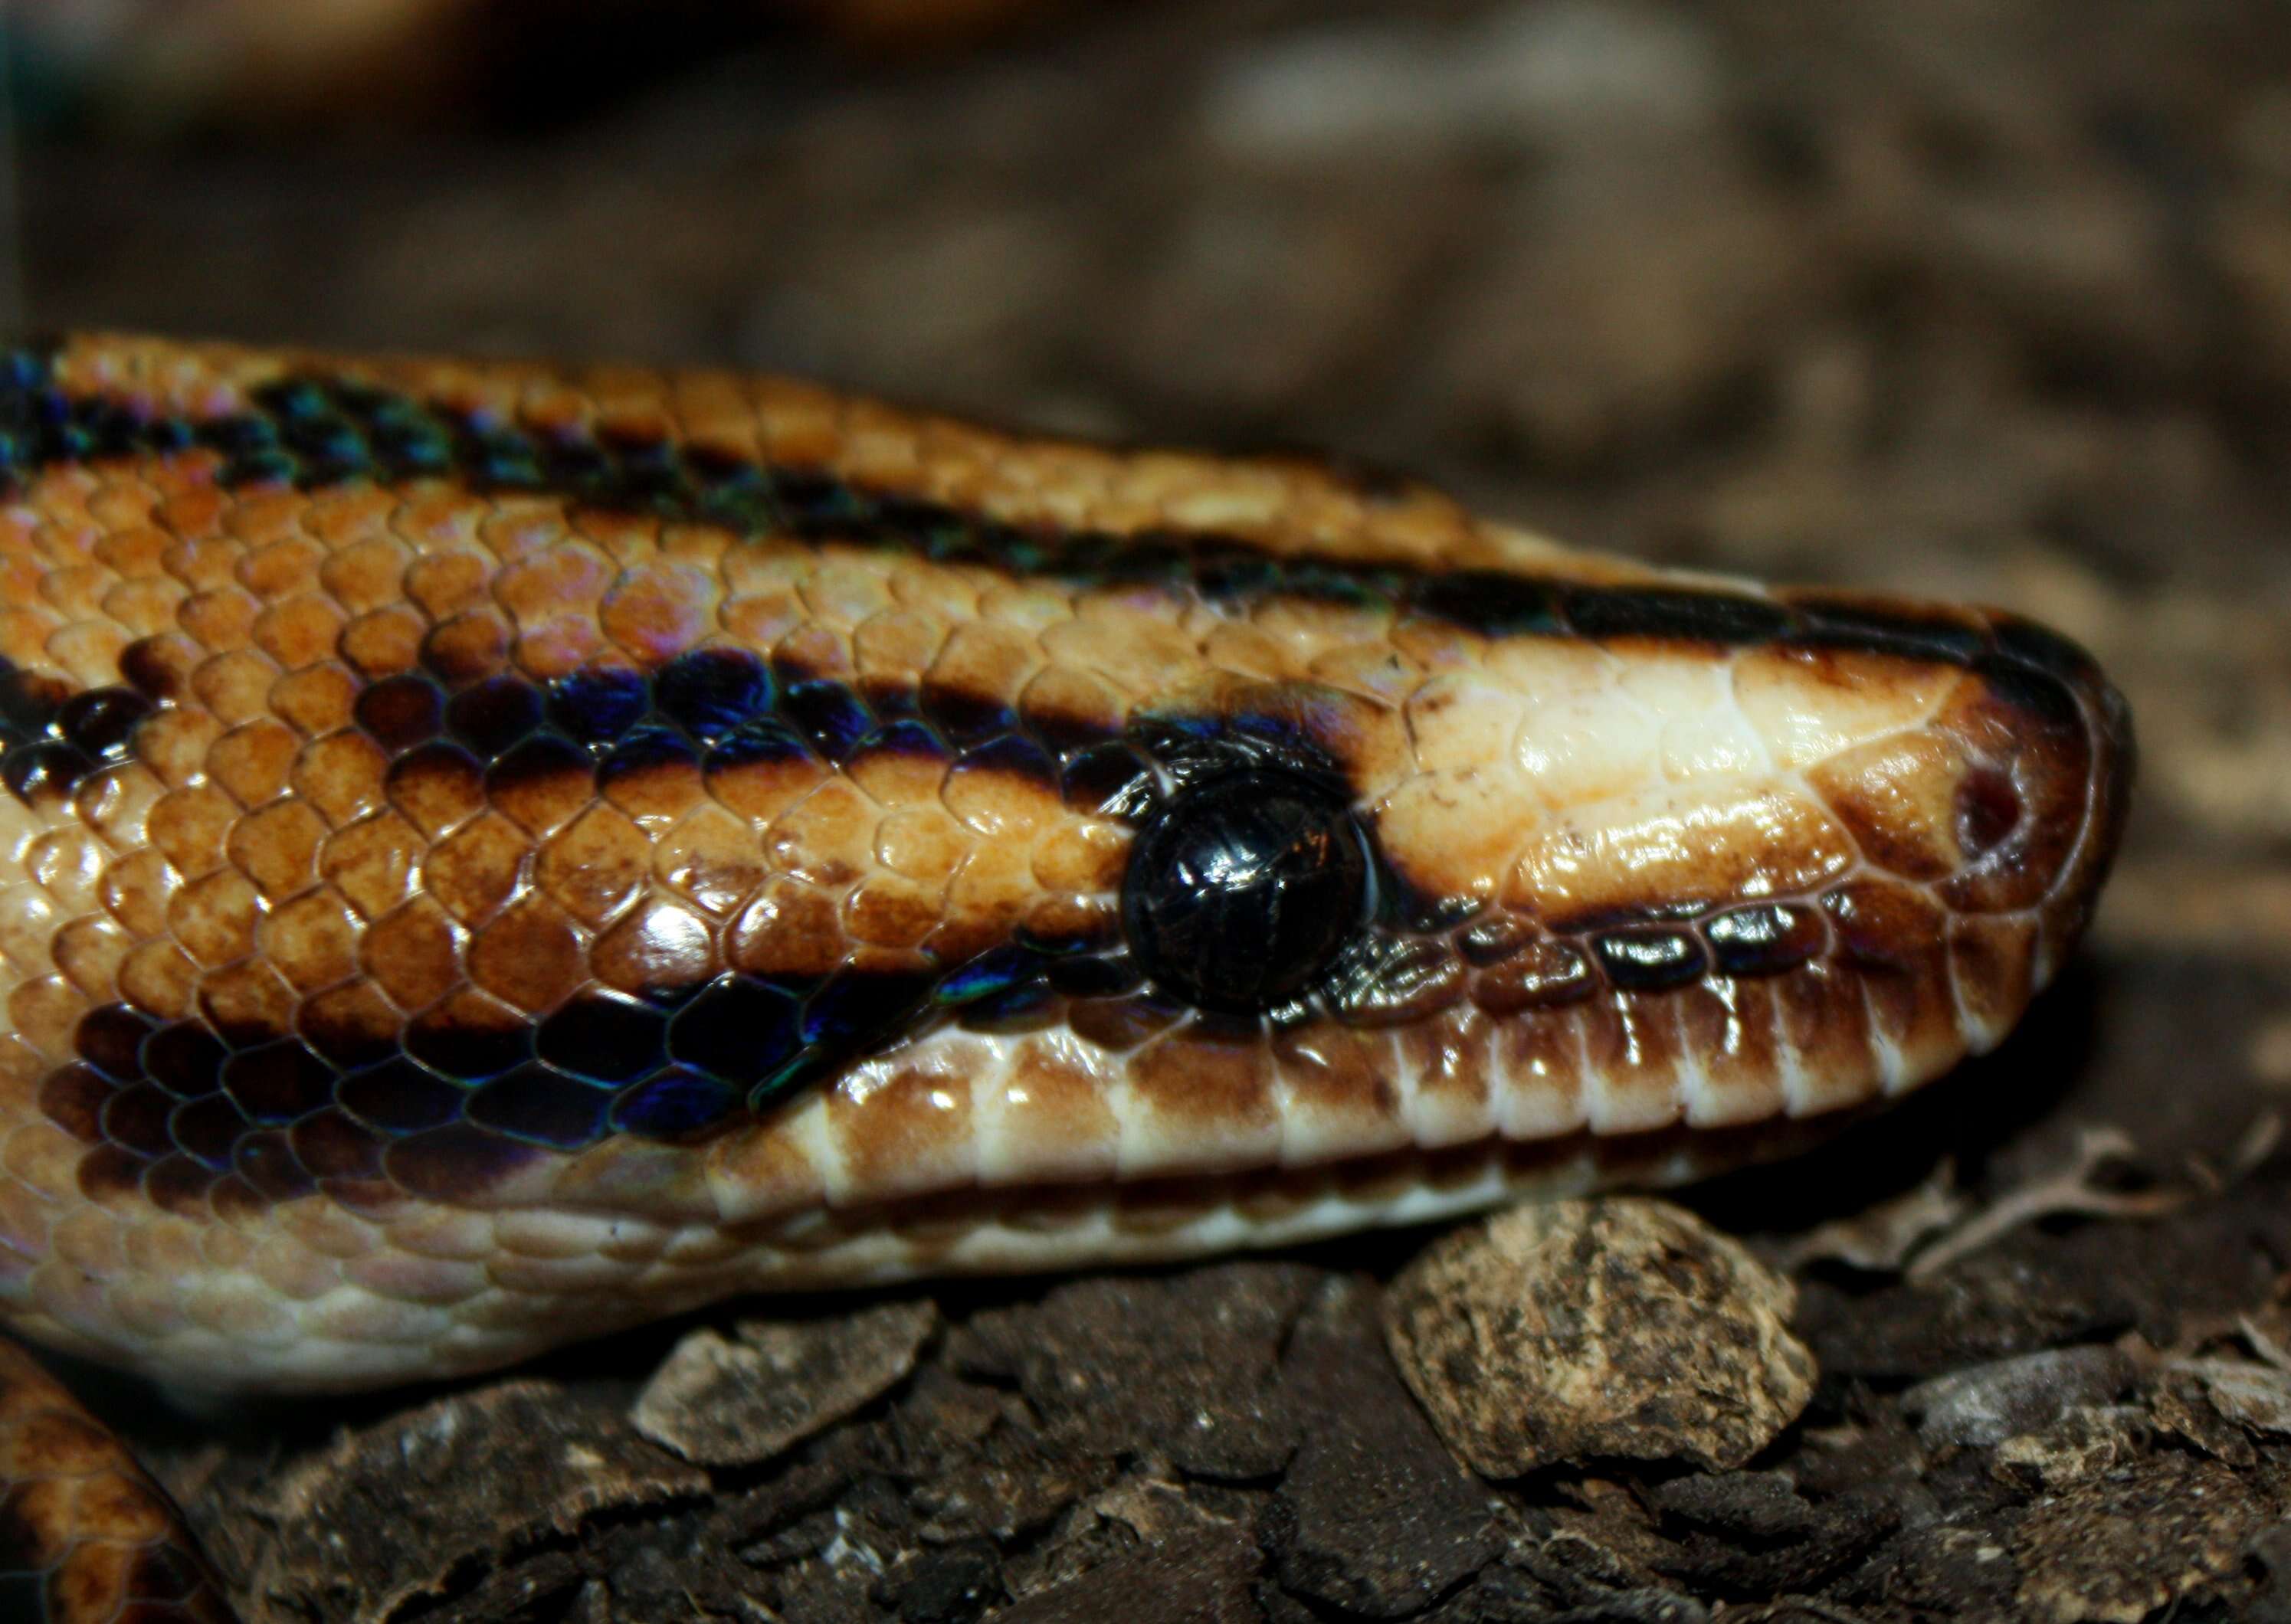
{"points": [[1241, 890]]}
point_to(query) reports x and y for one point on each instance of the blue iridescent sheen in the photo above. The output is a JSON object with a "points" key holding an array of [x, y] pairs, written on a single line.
{"points": [[540, 1104], [830, 714], [597, 707], [855, 1007], [996, 970], [453, 1048], [739, 1026], [399, 1097], [758, 743], [611, 1038], [278, 1082], [710, 692], [648, 748], [676, 1101], [492, 715]]}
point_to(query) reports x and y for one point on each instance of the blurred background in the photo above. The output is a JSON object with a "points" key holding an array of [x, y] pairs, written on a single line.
{"points": [[1985, 300]]}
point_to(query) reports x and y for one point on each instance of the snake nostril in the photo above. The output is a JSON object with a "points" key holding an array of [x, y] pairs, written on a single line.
{"points": [[1988, 810]]}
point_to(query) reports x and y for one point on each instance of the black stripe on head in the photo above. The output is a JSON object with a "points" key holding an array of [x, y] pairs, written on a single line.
{"points": [[315, 430]]}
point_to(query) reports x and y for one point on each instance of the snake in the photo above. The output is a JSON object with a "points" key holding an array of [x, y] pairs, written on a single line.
{"points": [[492, 853]]}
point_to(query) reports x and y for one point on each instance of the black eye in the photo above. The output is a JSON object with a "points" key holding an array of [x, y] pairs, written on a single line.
{"points": [[1241, 890]]}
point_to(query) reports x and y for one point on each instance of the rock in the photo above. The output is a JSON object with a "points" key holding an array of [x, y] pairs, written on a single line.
{"points": [[2083, 1443], [1987, 1404], [393, 1512], [717, 1401], [1579, 1329], [2117, 1549], [2255, 1396], [1373, 1516]]}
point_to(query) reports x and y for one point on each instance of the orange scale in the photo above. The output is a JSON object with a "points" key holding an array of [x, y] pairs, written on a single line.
{"points": [[313, 939], [712, 858], [900, 1131], [569, 576], [348, 1022], [450, 584], [219, 616], [550, 648], [760, 620], [201, 558], [45, 1012], [435, 787], [90, 650], [827, 838], [284, 567], [471, 645], [657, 609], [348, 516], [89, 952], [28, 917], [277, 846], [413, 954], [75, 591], [367, 576], [160, 978], [441, 521], [595, 864], [475, 870], [246, 997], [373, 863], [343, 774], [66, 863], [143, 604], [135, 891], [173, 743], [260, 517], [657, 944], [384, 641], [898, 778], [315, 696], [212, 917], [234, 686], [791, 929], [532, 957], [254, 760], [897, 643], [921, 842], [892, 910]]}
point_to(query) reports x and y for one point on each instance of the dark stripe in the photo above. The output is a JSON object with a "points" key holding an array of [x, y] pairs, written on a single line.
{"points": [[313, 430]]}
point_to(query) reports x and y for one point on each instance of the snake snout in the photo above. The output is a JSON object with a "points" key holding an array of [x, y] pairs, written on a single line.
{"points": [[2074, 749]]}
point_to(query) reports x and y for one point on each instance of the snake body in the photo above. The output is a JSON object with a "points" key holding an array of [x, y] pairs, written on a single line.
{"points": [[494, 853]]}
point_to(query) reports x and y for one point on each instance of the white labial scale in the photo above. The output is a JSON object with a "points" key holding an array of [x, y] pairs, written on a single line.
{"points": [[1316, 1129], [1789, 1061], [1701, 1102], [1541, 1083], [1621, 1100], [1895, 1075], [1437, 1115]]}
